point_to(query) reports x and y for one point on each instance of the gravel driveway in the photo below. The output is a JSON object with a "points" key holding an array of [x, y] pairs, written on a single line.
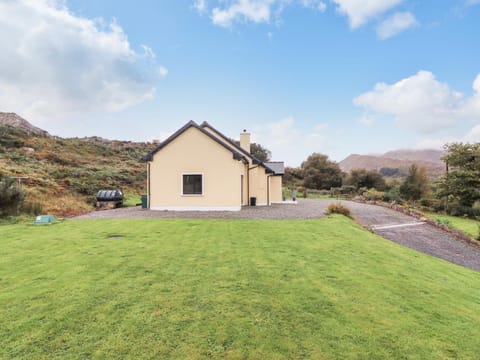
{"points": [[387, 223]]}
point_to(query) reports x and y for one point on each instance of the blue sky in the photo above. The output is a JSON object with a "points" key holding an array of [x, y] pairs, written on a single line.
{"points": [[303, 76]]}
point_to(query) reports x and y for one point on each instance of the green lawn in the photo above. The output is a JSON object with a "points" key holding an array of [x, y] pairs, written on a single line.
{"points": [[468, 226], [188, 289]]}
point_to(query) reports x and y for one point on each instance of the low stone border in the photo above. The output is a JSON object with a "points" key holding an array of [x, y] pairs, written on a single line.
{"points": [[454, 232]]}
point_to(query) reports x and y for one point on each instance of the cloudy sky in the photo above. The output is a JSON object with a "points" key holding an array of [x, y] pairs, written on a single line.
{"points": [[303, 76]]}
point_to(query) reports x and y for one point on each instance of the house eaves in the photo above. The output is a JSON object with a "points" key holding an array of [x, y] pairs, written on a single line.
{"points": [[236, 154]]}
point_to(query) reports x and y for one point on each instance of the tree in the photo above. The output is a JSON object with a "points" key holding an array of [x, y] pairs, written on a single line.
{"points": [[462, 180], [321, 173], [415, 185], [292, 177], [260, 152], [10, 197], [361, 178], [257, 150]]}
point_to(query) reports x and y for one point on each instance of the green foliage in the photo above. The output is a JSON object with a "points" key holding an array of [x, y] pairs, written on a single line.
{"points": [[257, 150], [65, 174], [11, 198], [226, 289], [361, 178], [293, 177], [321, 173], [443, 221], [462, 181], [260, 152], [338, 208], [415, 185], [465, 225], [393, 194], [391, 172], [373, 195]]}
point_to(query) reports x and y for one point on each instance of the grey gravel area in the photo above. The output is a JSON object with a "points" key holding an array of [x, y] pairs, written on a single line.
{"points": [[421, 237], [307, 209]]}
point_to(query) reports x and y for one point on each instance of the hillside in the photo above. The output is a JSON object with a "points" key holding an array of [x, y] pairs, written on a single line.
{"points": [[63, 175], [396, 163], [13, 120]]}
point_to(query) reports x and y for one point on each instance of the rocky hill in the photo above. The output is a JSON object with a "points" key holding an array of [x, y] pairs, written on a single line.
{"points": [[396, 163], [63, 175], [13, 120]]}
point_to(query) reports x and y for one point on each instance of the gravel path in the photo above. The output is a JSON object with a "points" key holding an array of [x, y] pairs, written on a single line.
{"points": [[387, 223]]}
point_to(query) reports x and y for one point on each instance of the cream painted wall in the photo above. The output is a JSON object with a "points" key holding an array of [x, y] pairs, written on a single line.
{"points": [[276, 189], [195, 152], [255, 184], [258, 184]]}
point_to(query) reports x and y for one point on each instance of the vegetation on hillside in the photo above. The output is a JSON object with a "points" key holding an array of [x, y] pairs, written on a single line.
{"points": [[63, 175]]}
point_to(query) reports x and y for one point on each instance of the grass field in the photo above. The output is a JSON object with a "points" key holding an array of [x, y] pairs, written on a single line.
{"points": [[468, 226], [188, 289]]}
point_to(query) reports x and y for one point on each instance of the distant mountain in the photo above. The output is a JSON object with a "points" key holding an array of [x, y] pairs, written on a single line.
{"points": [[396, 163], [427, 155], [16, 121]]}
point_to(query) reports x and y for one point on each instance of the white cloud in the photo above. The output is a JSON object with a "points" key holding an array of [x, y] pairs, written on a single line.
{"points": [[289, 143], [54, 63], [315, 4], [366, 120], [472, 2], [228, 12], [256, 11], [360, 12], [395, 24], [421, 103], [472, 136], [200, 6]]}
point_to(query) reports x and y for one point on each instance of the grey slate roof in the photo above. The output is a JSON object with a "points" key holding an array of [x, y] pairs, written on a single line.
{"points": [[278, 167], [273, 167], [191, 123]]}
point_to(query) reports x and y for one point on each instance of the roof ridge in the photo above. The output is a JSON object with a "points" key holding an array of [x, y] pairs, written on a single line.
{"points": [[185, 127], [245, 152]]}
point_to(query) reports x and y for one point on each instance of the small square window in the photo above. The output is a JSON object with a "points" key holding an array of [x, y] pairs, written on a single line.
{"points": [[192, 184]]}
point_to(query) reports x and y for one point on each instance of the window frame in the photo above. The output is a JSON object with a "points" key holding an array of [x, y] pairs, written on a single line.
{"points": [[192, 173]]}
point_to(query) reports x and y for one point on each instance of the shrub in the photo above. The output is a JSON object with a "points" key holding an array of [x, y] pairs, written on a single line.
{"points": [[10, 197], [442, 221], [338, 209], [373, 195], [32, 207]]}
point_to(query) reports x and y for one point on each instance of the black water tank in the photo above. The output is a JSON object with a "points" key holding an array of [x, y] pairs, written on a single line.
{"points": [[110, 195]]}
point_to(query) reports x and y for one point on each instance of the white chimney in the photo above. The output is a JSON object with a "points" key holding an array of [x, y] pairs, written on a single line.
{"points": [[245, 141]]}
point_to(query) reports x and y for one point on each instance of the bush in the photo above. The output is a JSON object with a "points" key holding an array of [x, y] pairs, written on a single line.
{"points": [[466, 211], [373, 195], [393, 195], [32, 207], [10, 197], [338, 209], [442, 221]]}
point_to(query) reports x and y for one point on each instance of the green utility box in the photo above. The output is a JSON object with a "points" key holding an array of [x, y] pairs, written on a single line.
{"points": [[44, 219], [144, 202]]}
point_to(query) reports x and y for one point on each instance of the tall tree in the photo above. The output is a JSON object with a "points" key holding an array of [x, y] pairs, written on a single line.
{"points": [[361, 178], [416, 184], [321, 173], [462, 180]]}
